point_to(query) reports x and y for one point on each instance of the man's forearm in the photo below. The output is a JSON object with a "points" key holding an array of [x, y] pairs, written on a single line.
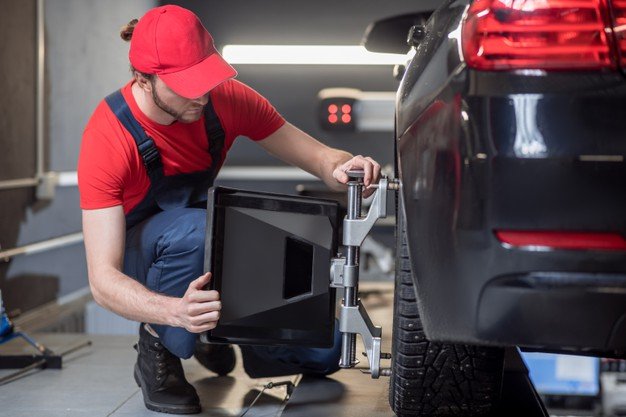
{"points": [[130, 299], [295, 147]]}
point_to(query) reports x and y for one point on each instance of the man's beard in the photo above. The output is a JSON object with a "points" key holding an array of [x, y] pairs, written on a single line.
{"points": [[167, 109]]}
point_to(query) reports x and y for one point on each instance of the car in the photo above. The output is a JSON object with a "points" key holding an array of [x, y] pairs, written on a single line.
{"points": [[509, 147]]}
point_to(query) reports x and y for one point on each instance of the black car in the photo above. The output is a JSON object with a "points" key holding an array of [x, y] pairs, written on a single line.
{"points": [[510, 144]]}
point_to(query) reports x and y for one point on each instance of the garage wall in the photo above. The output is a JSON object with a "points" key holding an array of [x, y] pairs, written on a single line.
{"points": [[17, 119], [85, 59]]}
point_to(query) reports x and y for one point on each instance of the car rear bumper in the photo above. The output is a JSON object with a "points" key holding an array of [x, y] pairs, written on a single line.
{"points": [[555, 162], [557, 300], [528, 309]]}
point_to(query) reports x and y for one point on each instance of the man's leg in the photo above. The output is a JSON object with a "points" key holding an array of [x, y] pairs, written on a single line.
{"points": [[161, 377], [165, 253]]}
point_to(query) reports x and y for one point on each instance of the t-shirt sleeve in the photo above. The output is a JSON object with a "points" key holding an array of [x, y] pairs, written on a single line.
{"points": [[101, 172], [248, 113]]}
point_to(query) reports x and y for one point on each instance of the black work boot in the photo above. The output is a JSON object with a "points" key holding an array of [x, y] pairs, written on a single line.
{"points": [[216, 358], [160, 375]]}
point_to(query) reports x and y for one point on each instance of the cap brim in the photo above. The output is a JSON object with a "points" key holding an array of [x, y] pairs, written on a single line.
{"points": [[199, 79]]}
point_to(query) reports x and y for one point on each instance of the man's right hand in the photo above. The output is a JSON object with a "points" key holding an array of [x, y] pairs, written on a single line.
{"points": [[198, 310]]}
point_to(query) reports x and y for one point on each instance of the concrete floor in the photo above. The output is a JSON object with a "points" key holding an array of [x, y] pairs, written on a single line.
{"points": [[349, 392], [97, 381]]}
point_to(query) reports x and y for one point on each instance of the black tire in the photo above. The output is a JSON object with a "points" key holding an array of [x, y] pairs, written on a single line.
{"points": [[435, 379]]}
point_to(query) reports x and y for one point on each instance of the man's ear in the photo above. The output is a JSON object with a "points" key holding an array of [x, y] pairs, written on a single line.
{"points": [[143, 82]]}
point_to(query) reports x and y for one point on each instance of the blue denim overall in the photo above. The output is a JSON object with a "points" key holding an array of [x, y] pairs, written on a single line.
{"points": [[164, 250]]}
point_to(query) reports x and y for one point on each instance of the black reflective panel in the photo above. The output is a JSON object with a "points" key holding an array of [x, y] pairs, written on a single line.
{"points": [[270, 258], [298, 271]]}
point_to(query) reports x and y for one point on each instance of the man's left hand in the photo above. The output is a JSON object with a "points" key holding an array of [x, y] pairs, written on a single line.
{"points": [[370, 167]]}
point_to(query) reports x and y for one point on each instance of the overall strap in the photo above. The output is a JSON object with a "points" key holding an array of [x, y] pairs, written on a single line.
{"points": [[215, 134], [148, 151]]}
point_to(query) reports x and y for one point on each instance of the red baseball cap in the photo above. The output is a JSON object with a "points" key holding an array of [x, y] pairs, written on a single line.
{"points": [[172, 43]]}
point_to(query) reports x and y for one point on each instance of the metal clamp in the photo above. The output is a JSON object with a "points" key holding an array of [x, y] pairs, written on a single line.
{"points": [[356, 230], [355, 319], [336, 272]]}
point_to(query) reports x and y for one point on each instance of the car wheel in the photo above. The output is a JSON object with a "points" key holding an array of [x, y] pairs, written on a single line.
{"points": [[435, 379]]}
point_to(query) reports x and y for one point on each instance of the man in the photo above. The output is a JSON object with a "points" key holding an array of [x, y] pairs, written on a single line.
{"points": [[149, 153]]}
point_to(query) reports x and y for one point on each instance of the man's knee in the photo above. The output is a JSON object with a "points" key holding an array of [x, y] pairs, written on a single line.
{"points": [[179, 254]]}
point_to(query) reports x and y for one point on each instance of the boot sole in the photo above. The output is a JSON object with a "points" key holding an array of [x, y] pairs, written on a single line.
{"points": [[163, 408]]}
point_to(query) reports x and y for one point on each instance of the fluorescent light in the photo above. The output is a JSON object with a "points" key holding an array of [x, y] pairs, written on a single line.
{"points": [[309, 55]]}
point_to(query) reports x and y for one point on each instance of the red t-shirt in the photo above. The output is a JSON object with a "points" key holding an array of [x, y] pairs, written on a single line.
{"points": [[110, 169]]}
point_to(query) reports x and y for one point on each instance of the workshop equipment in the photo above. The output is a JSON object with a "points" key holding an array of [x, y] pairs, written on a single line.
{"points": [[45, 358], [344, 273], [289, 388], [613, 379], [281, 294], [6, 327], [518, 396]]}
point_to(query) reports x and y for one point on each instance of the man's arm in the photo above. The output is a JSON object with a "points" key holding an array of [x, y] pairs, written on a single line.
{"points": [[104, 232], [295, 147]]}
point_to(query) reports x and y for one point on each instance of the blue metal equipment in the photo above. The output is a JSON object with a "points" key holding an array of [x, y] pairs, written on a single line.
{"points": [[6, 327], [45, 358]]}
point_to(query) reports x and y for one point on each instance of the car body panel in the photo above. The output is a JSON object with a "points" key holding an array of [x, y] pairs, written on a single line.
{"points": [[524, 150]]}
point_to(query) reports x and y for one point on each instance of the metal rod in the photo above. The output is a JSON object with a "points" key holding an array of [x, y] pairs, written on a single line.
{"points": [[19, 183], [17, 374], [41, 62], [41, 348], [348, 340], [234, 173], [42, 362], [252, 173], [43, 246], [357, 250], [76, 347]]}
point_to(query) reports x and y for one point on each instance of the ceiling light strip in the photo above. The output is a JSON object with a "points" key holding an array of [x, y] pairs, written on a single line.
{"points": [[308, 55]]}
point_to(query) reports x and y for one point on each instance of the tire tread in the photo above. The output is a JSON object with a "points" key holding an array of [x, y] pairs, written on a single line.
{"points": [[436, 379]]}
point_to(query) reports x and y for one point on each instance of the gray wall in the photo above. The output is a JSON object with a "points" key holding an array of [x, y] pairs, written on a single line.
{"points": [[17, 120], [86, 59]]}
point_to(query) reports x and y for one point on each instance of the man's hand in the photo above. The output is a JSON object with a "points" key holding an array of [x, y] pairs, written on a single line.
{"points": [[367, 164], [198, 310]]}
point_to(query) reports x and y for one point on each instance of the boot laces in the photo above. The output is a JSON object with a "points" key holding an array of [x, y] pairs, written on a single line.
{"points": [[166, 364]]}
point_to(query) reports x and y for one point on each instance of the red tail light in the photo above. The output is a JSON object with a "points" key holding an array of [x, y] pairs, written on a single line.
{"points": [[619, 27], [562, 240], [533, 34]]}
